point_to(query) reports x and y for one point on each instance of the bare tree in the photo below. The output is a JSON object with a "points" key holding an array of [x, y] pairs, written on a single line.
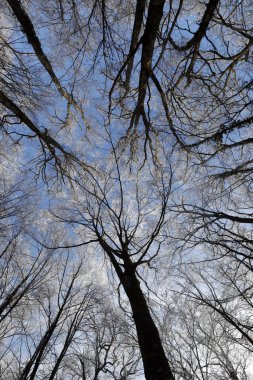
{"points": [[106, 347], [114, 212], [201, 342], [163, 90]]}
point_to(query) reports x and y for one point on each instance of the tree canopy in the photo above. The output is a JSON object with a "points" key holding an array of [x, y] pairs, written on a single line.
{"points": [[126, 194]]}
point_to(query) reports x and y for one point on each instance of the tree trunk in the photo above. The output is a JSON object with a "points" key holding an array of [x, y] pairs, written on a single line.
{"points": [[155, 363]]}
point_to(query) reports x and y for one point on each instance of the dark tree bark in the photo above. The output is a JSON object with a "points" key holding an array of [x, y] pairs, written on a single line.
{"points": [[139, 13], [155, 363], [155, 13], [44, 137], [196, 39], [31, 368], [156, 366], [34, 41]]}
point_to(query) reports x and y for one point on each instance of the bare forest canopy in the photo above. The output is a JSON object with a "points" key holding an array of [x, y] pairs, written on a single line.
{"points": [[126, 168]]}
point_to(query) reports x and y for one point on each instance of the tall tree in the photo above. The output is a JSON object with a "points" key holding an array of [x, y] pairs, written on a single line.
{"points": [[135, 117]]}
